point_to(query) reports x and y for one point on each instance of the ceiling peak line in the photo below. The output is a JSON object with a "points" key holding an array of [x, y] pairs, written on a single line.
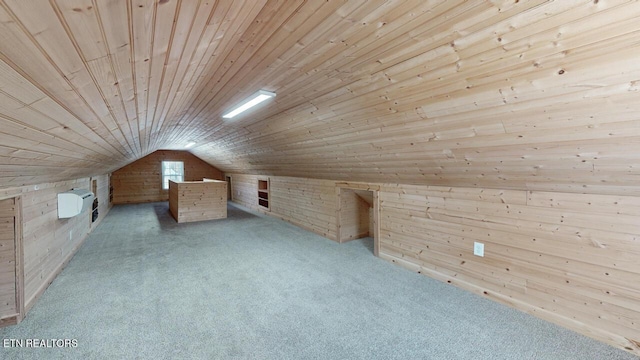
{"points": [[181, 69], [261, 26], [186, 68], [186, 131], [133, 68], [210, 62], [147, 129], [155, 124], [194, 74], [112, 67]]}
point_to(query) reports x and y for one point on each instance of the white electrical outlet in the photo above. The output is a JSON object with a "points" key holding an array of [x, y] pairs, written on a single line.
{"points": [[70, 234], [478, 249]]}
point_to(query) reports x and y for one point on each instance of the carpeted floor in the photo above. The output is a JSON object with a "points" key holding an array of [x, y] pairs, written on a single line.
{"points": [[254, 287]]}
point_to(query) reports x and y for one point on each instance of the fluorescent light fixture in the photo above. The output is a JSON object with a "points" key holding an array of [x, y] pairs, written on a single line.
{"points": [[190, 144], [251, 101]]}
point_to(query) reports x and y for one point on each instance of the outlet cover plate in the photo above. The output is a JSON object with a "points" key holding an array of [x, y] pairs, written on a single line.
{"points": [[478, 249]]}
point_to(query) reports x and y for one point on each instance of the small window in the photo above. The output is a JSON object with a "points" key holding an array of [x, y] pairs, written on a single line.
{"points": [[172, 170]]}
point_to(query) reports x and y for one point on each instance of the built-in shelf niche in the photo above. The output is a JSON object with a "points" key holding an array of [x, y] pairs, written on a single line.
{"points": [[263, 193]]}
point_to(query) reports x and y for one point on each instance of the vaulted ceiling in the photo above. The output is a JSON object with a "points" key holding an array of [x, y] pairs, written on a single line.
{"points": [[510, 94]]}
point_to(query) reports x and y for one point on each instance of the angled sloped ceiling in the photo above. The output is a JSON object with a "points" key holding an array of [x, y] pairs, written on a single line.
{"points": [[508, 94]]}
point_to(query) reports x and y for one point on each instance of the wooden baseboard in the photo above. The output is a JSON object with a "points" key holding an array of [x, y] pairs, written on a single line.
{"points": [[10, 320], [356, 237], [132, 202]]}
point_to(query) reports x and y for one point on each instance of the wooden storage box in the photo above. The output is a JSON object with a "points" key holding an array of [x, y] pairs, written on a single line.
{"points": [[198, 200]]}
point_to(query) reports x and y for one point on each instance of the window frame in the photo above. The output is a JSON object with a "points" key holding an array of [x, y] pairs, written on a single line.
{"points": [[169, 165]]}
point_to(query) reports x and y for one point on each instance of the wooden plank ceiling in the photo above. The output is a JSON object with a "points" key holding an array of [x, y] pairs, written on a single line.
{"points": [[510, 94]]}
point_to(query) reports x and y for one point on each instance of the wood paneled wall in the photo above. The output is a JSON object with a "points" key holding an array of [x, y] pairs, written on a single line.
{"points": [[198, 200], [9, 304], [568, 258], [308, 203], [141, 181], [49, 243]]}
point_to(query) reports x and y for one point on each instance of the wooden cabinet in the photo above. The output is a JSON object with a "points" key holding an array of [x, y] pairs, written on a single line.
{"points": [[198, 200], [263, 193]]}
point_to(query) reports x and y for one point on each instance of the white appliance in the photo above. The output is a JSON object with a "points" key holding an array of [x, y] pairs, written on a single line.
{"points": [[74, 202]]}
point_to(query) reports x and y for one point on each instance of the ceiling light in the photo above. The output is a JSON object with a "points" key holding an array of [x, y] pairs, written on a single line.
{"points": [[251, 101], [190, 144]]}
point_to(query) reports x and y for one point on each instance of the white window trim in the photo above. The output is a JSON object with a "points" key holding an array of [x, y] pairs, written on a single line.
{"points": [[174, 177]]}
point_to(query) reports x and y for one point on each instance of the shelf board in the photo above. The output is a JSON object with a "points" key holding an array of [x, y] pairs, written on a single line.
{"points": [[263, 203]]}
